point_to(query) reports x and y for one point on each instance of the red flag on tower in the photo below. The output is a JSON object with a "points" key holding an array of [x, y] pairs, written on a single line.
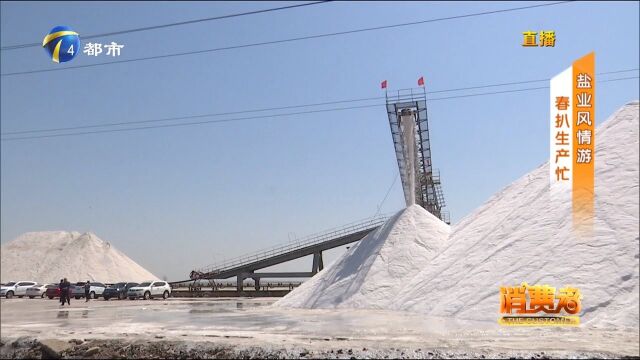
{"points": [[383, 84], [421, 81]]}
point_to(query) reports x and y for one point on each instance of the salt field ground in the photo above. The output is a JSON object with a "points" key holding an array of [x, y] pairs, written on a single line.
{"points": [[228, 328]]}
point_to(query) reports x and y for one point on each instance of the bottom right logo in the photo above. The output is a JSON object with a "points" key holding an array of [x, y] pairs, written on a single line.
{"points": [[539, 305]]}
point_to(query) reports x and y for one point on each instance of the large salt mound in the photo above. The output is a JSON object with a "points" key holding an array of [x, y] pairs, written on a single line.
{"points": [[52, 255], [372, 272], [518, 235]]}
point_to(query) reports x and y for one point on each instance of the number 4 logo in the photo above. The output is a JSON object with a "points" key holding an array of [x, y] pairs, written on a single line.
{"points": [[70, 51]]}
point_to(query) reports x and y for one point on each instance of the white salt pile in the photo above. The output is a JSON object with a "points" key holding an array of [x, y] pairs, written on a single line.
{"points": [[49, 256], [521, 235], [374, 270]]}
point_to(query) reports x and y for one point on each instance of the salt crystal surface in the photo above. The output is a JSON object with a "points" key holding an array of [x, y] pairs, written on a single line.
{"points": [[519, 235], [49, 256], [372, 272]]}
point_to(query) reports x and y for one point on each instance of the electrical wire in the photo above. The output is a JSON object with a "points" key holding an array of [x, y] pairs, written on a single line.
{"points": [[273, 115], [273, 42], [188, 22], [283, 107], [386, 195]]}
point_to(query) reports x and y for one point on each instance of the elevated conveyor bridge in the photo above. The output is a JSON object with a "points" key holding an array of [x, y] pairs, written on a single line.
{"points": [[407, 115], [245, 267]]}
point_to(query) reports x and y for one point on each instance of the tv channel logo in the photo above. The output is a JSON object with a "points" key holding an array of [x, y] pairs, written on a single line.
{"points": [[62, 44]]}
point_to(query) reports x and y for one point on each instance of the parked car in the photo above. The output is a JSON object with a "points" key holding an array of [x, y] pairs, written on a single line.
{"points": [[6, 287], [53, 291], [118, 291], [76, 290], [150, 289], [96, 290], [36, 290], [18, 289]]}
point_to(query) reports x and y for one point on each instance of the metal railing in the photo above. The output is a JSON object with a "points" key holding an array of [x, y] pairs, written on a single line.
{"points": [[445, 216], [310, 240], [408, 95]]}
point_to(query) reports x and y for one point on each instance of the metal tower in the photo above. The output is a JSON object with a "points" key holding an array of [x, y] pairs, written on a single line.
{"points": [[407, 112]]}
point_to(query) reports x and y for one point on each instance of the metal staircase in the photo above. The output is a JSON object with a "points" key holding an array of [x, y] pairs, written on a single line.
{"points": [[427, 188], [438, 188]]}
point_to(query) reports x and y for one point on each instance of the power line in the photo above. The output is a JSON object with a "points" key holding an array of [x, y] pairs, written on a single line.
{"points": [[287, 40], [188, 22], [194, 123], [386, 195], [189, 117], [276, 115], [281, 107], [524, 82], [519, 90]]}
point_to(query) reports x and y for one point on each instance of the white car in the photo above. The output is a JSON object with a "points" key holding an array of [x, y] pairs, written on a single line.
{"points": [[95, 290], [150, 289], [18, 289], [37, 290]]}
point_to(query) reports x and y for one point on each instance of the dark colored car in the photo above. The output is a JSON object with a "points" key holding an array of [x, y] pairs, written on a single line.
{"points": [[118, 291], [53, 291]]}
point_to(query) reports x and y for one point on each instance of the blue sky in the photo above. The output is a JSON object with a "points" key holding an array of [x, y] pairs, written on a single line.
{"points": [[178, 198]]}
